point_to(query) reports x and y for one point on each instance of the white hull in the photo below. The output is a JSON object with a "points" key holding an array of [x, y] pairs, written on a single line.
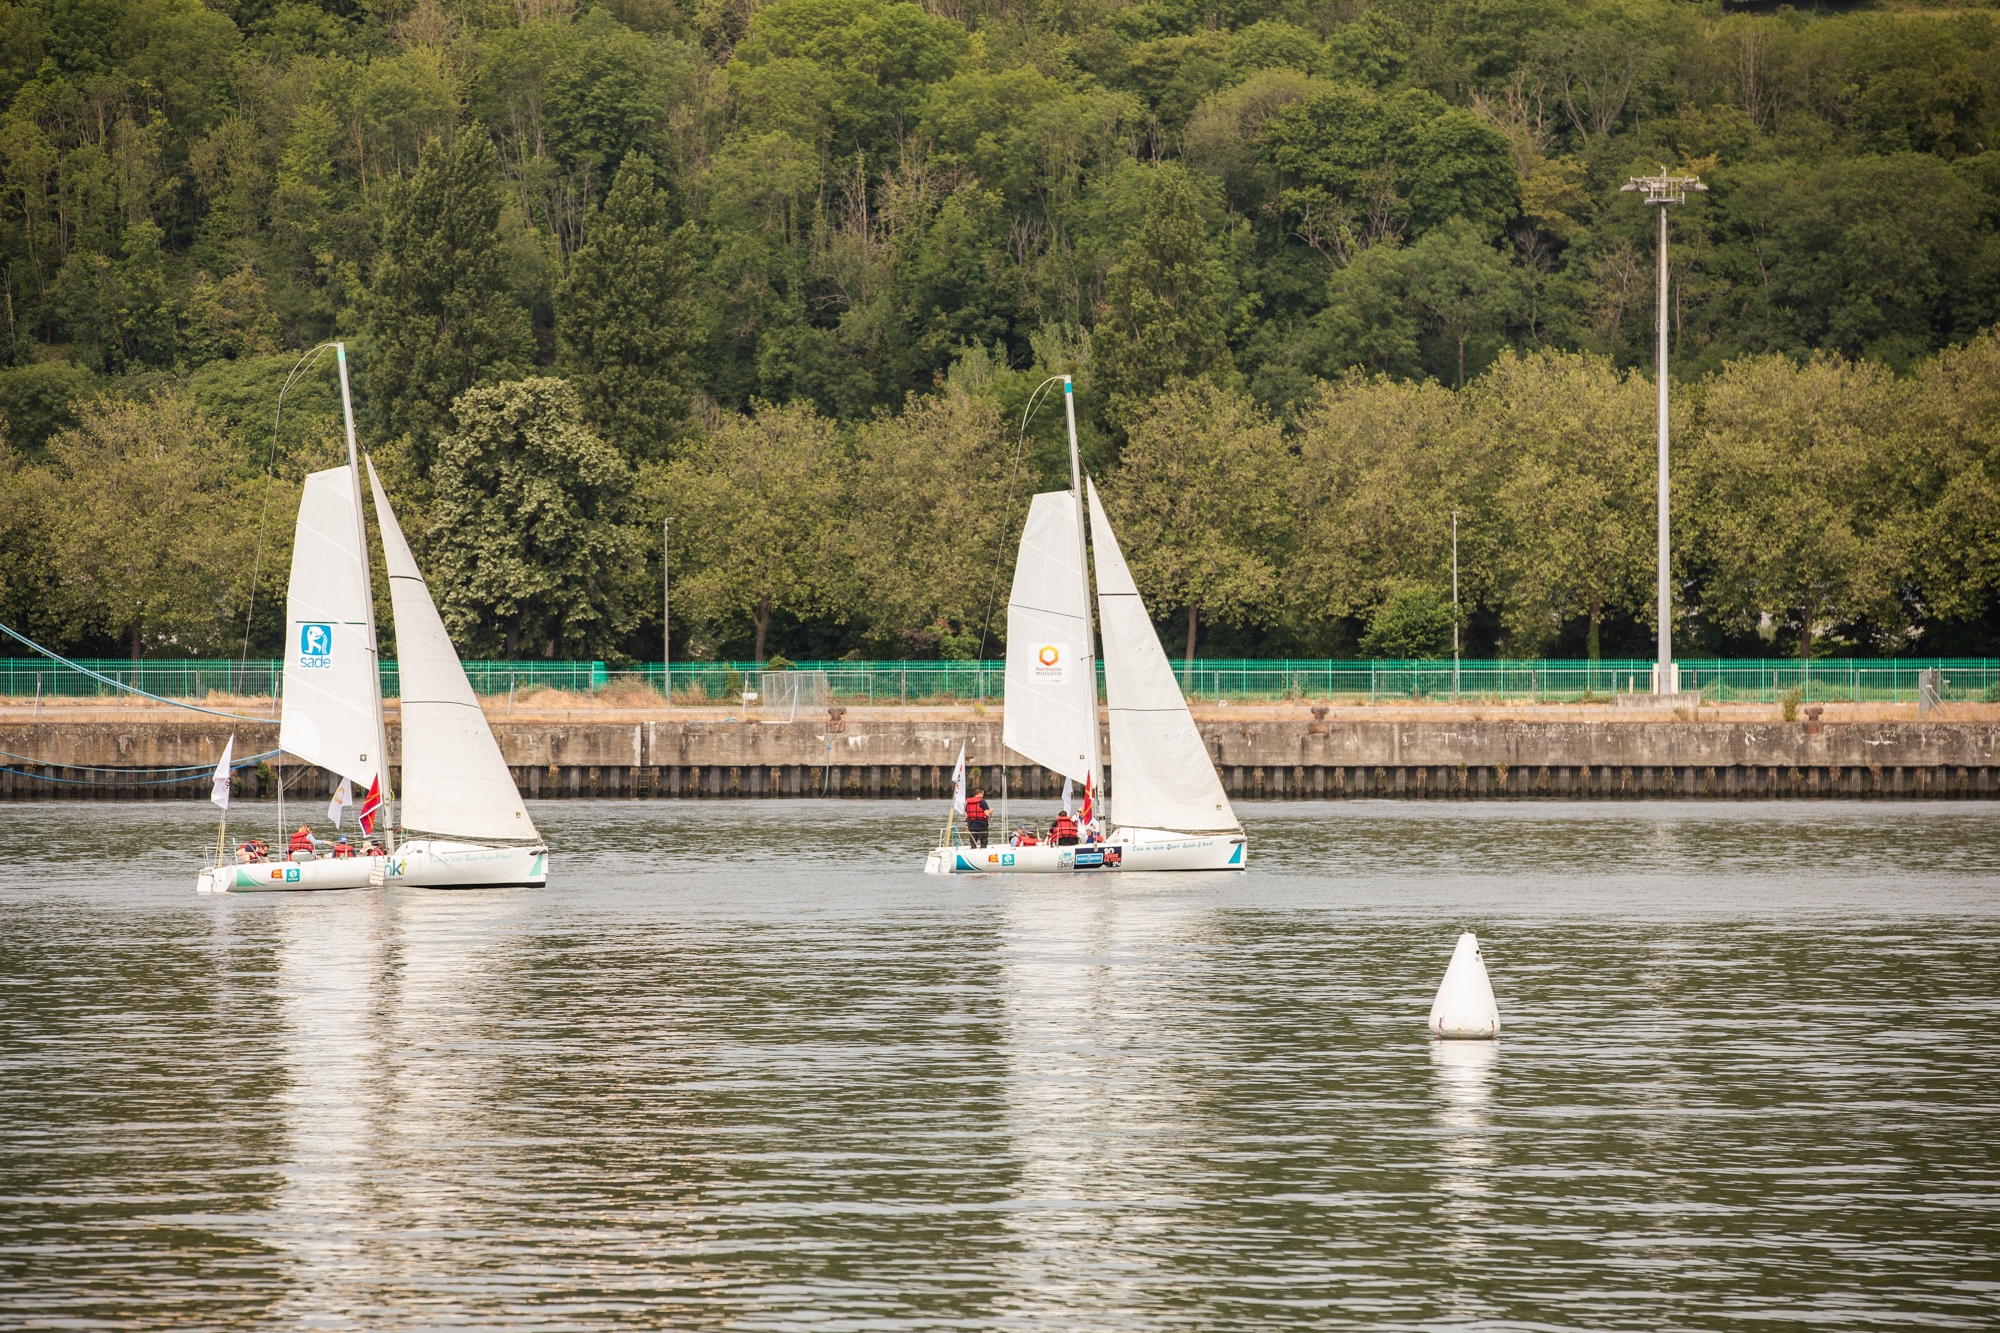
{"points": [[1127, 849], [426, 863]]}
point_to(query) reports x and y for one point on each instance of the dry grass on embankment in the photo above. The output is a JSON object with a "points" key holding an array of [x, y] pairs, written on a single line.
{"points": [[625, 702]]}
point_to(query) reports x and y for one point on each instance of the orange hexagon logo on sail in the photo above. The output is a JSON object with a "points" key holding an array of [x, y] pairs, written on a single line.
{"points": [[1048, 655]]}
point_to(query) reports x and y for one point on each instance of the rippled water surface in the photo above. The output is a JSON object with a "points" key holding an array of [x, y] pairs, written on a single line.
{"points": [[739, 1064]]}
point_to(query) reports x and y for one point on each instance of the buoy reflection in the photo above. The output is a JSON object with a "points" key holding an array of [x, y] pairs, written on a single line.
{"points": [[1463, 1072]]}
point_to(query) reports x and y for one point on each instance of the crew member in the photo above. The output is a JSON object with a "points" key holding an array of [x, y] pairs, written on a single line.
{"points": [[976, 816], [342, 848], [303, 840], [1063, 832]]}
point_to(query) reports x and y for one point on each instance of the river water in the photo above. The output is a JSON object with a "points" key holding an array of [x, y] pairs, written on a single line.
{"points": [[740, 1065]]}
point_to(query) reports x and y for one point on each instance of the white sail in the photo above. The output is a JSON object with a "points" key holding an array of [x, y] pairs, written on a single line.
{"points": [[1161, 774], [1051, 682], [455, 781], [330, 700]]}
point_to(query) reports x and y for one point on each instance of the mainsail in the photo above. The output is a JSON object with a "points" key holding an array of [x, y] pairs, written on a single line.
{"points": [[455, 781], [1162, 776], [330, 700], [1051, 680]]}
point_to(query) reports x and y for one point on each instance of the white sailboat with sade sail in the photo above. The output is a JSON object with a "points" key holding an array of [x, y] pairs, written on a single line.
{"points": [[1168, 809], [463, 825]]}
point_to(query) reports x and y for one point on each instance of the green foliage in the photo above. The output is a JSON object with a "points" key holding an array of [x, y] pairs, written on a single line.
{"points": [[1166, 317], [1413, 623], [626, 319], [839, 204], [1200, 499], [39, 399], [439, 309], [750, 505], [528, 535], [136, 502]]}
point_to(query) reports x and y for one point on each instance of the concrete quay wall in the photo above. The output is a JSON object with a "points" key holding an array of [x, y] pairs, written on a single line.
{"points": [[909, 758]]}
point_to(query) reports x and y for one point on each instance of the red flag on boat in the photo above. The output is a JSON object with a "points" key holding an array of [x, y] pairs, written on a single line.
{"points": [[372, 806], [1089, 803]]}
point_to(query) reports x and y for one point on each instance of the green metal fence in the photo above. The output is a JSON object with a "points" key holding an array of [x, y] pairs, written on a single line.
{"points": [[1856, 680]]}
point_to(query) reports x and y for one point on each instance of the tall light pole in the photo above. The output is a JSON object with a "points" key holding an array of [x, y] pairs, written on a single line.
{"points": [[667, 609], [1663, 190], [1454, 606]]}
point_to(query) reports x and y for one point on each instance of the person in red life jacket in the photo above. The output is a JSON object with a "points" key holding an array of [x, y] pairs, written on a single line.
{"points": [[343, 848], [374, 849], [1024, 837], [1063, 832], [303, 841], [976, 816]]}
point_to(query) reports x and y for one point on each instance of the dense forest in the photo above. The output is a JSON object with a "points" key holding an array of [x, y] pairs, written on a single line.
{"points": [[1327, 272]]}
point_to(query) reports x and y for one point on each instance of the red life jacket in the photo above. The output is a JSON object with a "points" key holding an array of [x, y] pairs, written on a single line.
{"points": [[301, 842], [1065, 827], [975, 809], [341, 849]]}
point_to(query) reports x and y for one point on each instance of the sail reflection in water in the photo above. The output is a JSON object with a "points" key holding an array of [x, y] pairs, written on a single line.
{"points": [[331, 976]]}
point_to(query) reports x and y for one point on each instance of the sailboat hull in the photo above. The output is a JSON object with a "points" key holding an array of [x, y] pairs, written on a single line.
{"points": [[421, 864], [1128, 849]]}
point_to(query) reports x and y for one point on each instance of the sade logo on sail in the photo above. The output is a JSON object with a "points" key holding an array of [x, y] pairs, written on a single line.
{"points": [[315, 645]]}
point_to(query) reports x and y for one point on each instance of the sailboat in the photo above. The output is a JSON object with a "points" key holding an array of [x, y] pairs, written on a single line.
{"points": [[463, 825], [1168, 809]]}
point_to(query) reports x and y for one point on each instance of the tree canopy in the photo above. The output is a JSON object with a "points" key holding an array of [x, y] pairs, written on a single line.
{"points": [[1366, 235]]}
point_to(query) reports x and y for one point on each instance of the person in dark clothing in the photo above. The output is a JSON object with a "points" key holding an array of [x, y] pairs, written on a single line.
{"points": [[1063, 831], [977, 813]]}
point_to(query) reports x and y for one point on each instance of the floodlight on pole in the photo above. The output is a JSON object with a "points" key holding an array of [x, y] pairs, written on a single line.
{"points": [[1664, 189]]}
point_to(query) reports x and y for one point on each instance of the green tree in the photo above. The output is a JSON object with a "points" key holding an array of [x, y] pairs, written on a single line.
{"points": [[40, 399], [1381, 466], [1167, 309], [1574, 439], [139, 510], [625, 319], [1794, 506], [1465, 288], [1413, 623], [1200, 498], [1946, 448], [439, 308], [927, 555], [529, 534], [757, 516]]}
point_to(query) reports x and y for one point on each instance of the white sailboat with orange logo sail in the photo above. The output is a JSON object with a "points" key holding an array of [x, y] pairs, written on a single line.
{"points": [[463, 824], [1168, 809]]}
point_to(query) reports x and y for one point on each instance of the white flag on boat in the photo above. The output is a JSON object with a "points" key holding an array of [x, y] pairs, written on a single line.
{"points": [[1066, 807], [219, 789], [342, 794], [958, 783]]}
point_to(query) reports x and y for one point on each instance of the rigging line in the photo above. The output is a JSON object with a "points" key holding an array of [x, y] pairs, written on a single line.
{"points": [[299, 368], [99, 768], [103, 679], [993, 584], [150, 782]]}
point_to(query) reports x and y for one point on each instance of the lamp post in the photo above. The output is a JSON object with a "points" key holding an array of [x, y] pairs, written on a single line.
{"points": [[667, 609], [1454, 606], [1663, 190]]}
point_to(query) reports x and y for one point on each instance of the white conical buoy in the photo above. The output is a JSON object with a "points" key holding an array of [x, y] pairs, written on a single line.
{"points": [[1464, 1006]]}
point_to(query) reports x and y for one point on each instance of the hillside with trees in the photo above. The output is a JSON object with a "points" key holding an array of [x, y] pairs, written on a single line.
{"points": [[1326, 271]]}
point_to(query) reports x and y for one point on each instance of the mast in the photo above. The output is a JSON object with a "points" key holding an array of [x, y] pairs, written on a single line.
{"points": [[368, 589], [1095, 752]]}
